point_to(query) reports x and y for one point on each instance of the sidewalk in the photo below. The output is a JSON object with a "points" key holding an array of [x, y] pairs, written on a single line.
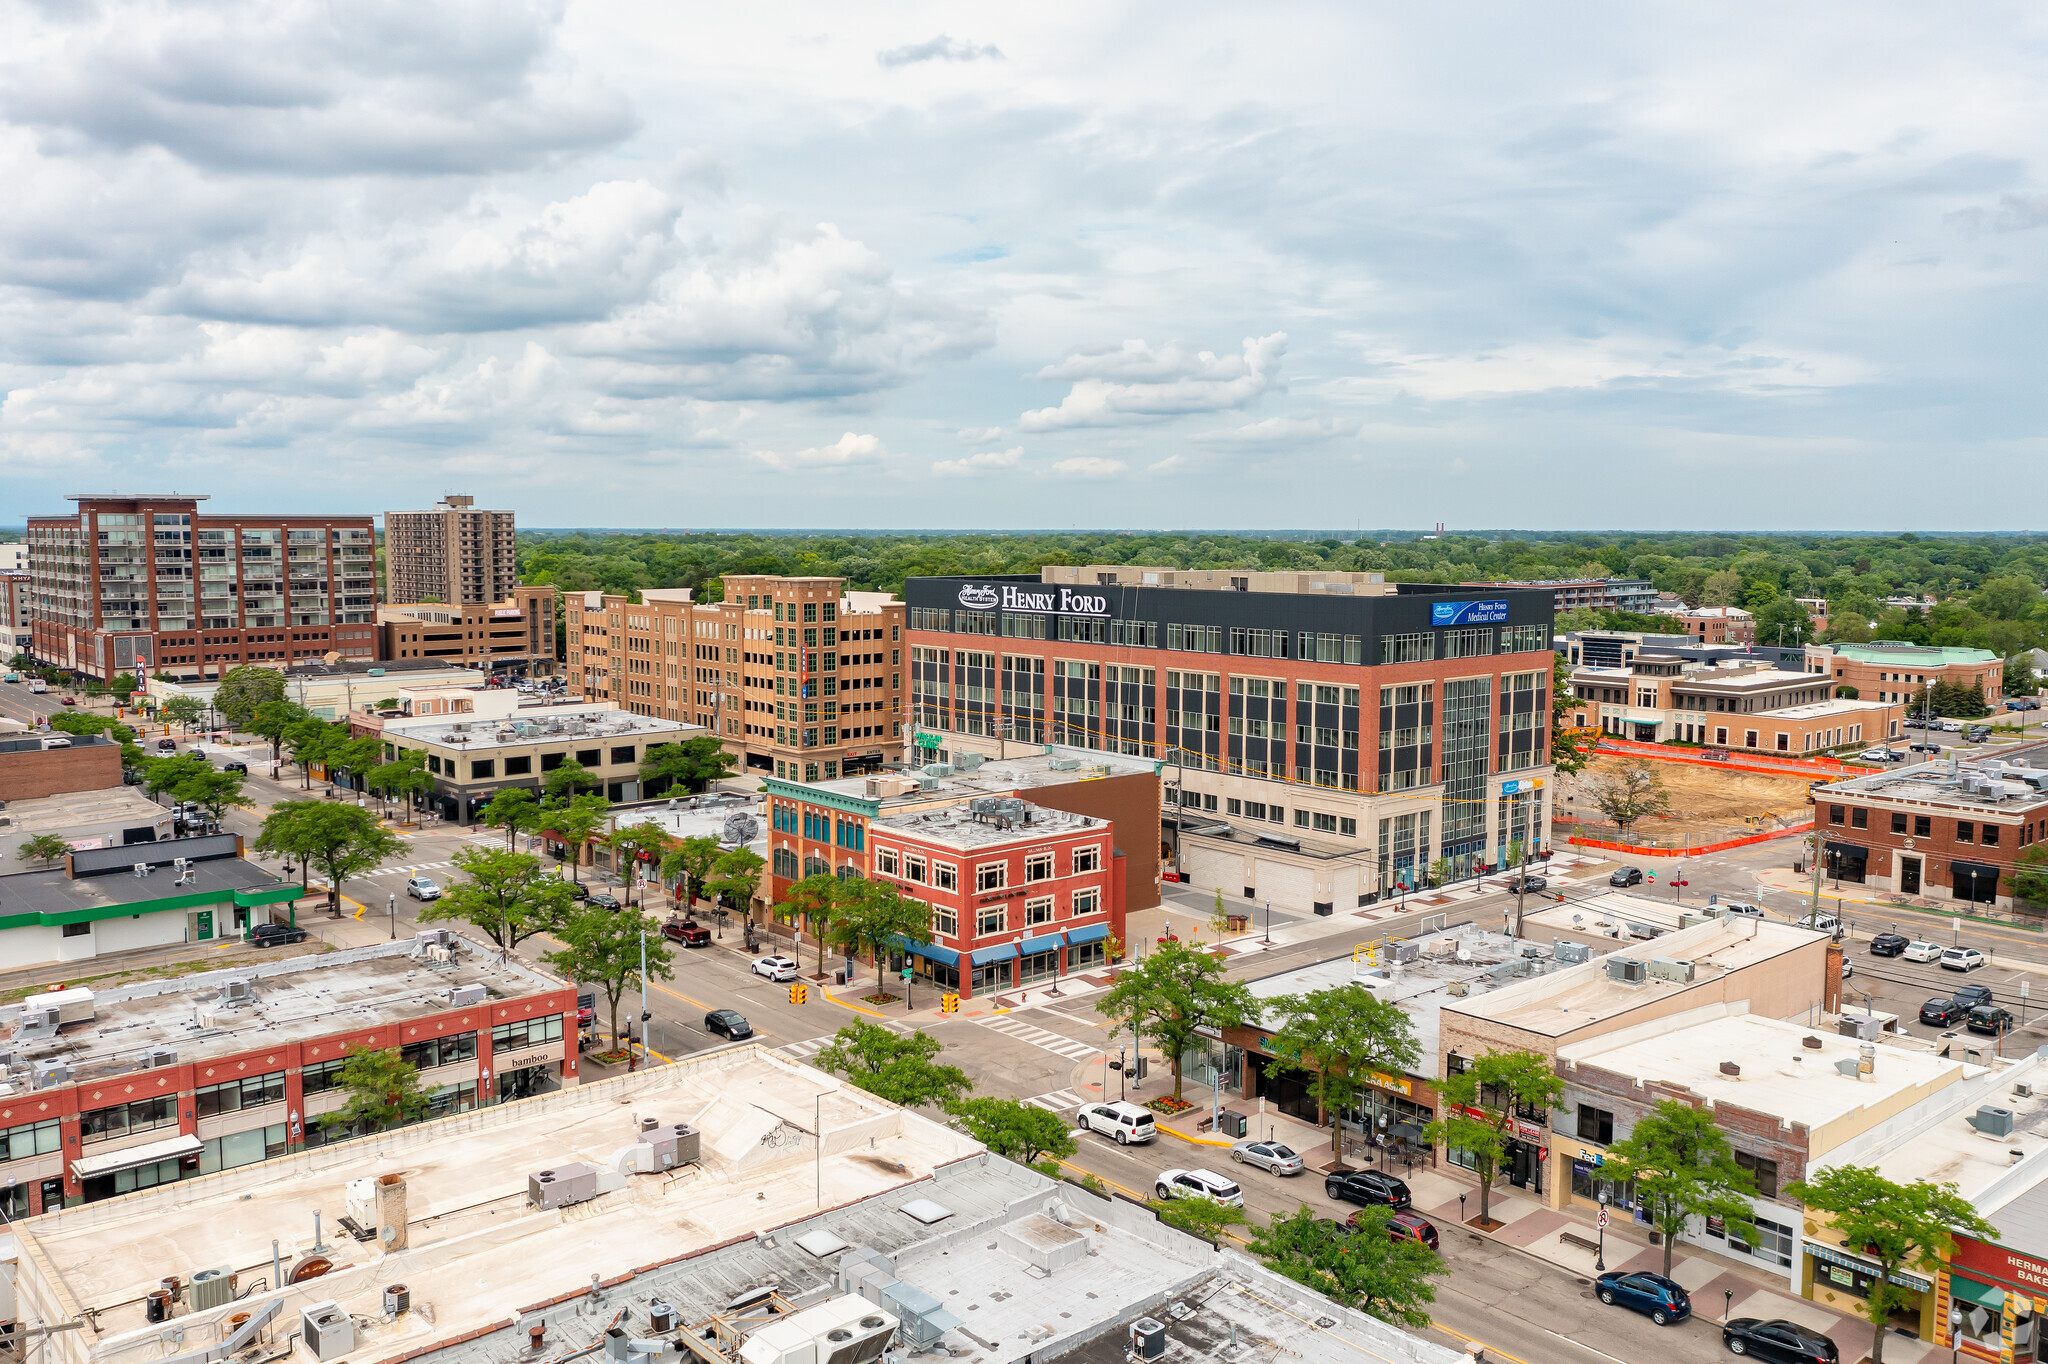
{"points": [[1799, 890]]}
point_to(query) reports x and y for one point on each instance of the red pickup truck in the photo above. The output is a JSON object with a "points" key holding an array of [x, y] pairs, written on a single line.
{"points": [[688, 932]]}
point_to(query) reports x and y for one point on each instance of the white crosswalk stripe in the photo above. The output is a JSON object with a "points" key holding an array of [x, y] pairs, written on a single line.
{"points": [[1058, 1101], [802, 1051], [1053, 1042]]}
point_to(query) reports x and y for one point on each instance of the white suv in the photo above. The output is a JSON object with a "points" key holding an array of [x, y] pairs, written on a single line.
{"points": [[1126, 1122], [1199, 1184], [777, 969]]}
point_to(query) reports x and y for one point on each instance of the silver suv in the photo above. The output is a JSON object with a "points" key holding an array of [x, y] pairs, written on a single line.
{"points": [[1127, 1123]]}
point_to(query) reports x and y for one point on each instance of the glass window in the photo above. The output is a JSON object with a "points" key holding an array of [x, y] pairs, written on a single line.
{"points": [[991, 876], [1595, 1124]]}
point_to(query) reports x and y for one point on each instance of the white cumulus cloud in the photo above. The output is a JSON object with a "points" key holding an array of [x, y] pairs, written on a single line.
{"points": [[1137, 383], [1089, 466], [940, 49], [981, 464], [849, 450]]}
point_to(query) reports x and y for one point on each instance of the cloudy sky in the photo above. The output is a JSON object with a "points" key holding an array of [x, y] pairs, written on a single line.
{"points": [[785, 264]]}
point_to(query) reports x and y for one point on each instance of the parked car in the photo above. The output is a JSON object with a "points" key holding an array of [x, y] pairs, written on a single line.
{"points": [[1990, 1021], [1881, 755], [688, 932], [422, 888], [777, 969], [2022, 703], [1198, 1184], [1662, 1300], [236, 766], [1916, 722], [1270, 1156], [603, 899], [1848, 968], [1126, 1123], [167, 745], [728, 1023], [1411, 1226], [1737, 909], [1367, 1187], [67, 700], [1943, 1013], [1626, 876], [1922, 951], [1949, 726], [1530, 883], [275, 935], [1924, 746], [1961, 959], [577, 888], [1781, 1342], [1970, 996], [1888, 944], [1977, 734]]}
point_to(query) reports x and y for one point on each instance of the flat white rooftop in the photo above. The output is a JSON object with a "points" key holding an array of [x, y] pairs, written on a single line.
{"points": [[958, 826]]}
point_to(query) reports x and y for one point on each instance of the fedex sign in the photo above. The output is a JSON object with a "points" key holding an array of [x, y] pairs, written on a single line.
{"points": [[1468, 612], [1062, 601]]}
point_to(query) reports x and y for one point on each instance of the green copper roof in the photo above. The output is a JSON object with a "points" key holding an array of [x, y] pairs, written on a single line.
{"points": [[1907, 654]]}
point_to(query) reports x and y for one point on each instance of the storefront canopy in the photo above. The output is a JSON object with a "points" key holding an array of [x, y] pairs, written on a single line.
{"points": [[982, 956], [1092, 933], [1050, 943], [944, 956], [131, 1157]]}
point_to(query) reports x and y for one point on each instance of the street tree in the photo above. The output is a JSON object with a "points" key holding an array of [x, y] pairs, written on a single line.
{"points": [[383, 1091], [183, 711], [1339, 1037], [572, 820], [1016, 1130], [1172, 995], [515, 811], [603, 949], [243, 689], [212, 791], [630, 844], [1570, 748], [340, 840], [2030, 875], [734, 878], [875, 917], [1683, 1168], [311, 740], [692, 764], [1196, 1216], [508, 896], [161, 776], [356, 757], [403, 778], [1629, 792], [1493, 1086], [275, 719], [1897, 1226], [814, 904], [1364, 1267], [898, 1067], [123, 686], [691, 860], [43, 848], [569, 779]]}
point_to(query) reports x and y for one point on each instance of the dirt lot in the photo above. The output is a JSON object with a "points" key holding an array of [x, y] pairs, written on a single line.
{"points": [[1704, 800]]}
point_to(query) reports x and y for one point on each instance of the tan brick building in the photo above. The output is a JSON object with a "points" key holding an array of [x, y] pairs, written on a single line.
{"points": [[513, 637], [453, 554], [1896, 670], [1719, 625], [1943, 829], [800, 678], [1657, 698]]}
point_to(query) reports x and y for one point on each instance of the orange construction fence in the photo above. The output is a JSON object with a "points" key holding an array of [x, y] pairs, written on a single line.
{"points": [[1635, 851]]}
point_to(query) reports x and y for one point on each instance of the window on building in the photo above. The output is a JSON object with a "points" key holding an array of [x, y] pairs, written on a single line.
{"points": [[914, 868], [1038, 911], [1086, 902], [1859, 819], [1835, 814], [1089, 858], [945, 876], [1898, 823], [1923, 826], [249, 1092], [991, 876], [590, 757], [991, 919], [1595, 1124], [1764, 1172], [80, 930], [518, 767], [1990, 835], [887, 862], [118, 1120], [1038, 867], [945, 920]]}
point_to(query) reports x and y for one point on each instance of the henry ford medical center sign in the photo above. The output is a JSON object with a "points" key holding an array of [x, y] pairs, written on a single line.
{"points": [[1467, 612], [1060, 601]]}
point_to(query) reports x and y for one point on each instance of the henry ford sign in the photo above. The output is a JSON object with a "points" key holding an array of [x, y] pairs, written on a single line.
{"points": [[1062, 601], [1468, 612]]}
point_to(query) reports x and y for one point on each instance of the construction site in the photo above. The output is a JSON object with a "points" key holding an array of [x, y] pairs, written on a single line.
{"points": [[1709, 803]]}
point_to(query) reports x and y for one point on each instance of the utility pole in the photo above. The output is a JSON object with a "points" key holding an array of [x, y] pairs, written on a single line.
{"points": [[1521, 887], [1814, 921], [645, 1015]]}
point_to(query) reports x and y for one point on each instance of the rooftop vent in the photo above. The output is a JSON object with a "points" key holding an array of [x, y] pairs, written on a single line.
{"points": [[1810, 1042], [1731, 1070], [1992, 1122]]}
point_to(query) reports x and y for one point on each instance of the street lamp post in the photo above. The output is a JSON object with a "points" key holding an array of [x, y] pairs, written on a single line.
{"points": [[1600, 1247], [391, 903], [1269, 923]]}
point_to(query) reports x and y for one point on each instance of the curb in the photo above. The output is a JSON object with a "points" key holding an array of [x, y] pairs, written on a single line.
{"points": [[1195, 1141]]}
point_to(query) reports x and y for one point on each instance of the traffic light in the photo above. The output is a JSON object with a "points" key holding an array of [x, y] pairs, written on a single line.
{"points": [[799, 993], [949, 1004]]}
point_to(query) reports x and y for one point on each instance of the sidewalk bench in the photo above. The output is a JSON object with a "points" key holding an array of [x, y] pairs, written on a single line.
{"points": [[1572, 1238]]}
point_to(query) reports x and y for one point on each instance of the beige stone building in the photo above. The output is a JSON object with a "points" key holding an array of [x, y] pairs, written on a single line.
{"points": [[454, 554], [513, 637]]}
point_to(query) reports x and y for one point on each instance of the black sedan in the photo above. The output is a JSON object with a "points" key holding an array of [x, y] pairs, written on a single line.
{"points": [[1781, 1342], [728, 1023], [1888, 944], [1369, 1188], [1627, 876], [1990, 1021], [1970, 996], [236, 766], [1942, 1013], [275, 935], [1530, 883], [602, 900]]}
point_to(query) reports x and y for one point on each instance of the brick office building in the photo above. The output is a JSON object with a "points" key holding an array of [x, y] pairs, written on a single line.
{"points": [[1653, 698], [119, 1093], [799, 677], [1411, 722], [146, 583], [33, 765], [1020, 894], [1943, 828], [1896, 670], [513, 637]]}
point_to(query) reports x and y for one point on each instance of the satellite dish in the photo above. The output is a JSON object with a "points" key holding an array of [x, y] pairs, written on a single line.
{"points": [[1577, 919]]}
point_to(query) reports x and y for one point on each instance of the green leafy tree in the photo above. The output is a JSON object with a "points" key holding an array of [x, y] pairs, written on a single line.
{"points": [[1196, 1216], [274, 719], [1781, 620], [2020, 679], [514, 810], [403, 778], [875, 917], [183, 711], [1173, 994], [383, 1091], [1683, 1167], [1338, 1037], [629, 844], [692, 764], [603, 949], [161, 776], [507, 896], [243, 689], [692, 859], [1570, 748], [899, 1067], [212, 791], [735, 877], [124, 686], [311, 740], [1630, 792], [43, 848], [2030, 875], [569, 779], [1363, 1267], [814, 903], [1897, 1226], [357, 757], [340, 840], [573, 819], [1494, 1086], [1015, 1130], [93, 688]]}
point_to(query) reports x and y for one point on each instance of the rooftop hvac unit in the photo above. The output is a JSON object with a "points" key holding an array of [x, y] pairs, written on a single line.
{"points": [[1993, 1122], [1401, 951], [462, 996], [238, 991], [1064, 765], [674, 1144], [2023, 1090], [49, 1074], [1148, 1338], [573, 1182], [158, 1057], [38, 1020], [1627, 970], [927, 783], [328, 1331], [938, 769], [1570, 953], [211, 1288], [967, 762], [1668, 968]]}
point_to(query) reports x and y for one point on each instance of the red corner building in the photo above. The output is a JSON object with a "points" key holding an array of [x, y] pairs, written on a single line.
{"points": [[1021, 895]]}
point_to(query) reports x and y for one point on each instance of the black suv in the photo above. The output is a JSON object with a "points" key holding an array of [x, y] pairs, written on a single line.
{"points": [[1369, 1188], [1970, 996], [1990, 1021], [1942, 1013], [1627, 876], [1888, 944], [275, 935]]}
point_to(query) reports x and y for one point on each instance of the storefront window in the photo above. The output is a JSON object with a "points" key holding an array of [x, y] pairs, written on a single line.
{"points": [[994, 976], [939, 973], [1039, 966], [1588, 1183], [1083, 956]]}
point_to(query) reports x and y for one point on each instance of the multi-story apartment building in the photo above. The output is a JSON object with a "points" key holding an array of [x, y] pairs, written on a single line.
{"points": [[1655, 698], [799, 677], [515, 636], [1898, 670], [14, 557], [145, 583], [1410, 721], [119, 1091], [454, 555], [1719, 625], [17, 630], [1602, 594]]}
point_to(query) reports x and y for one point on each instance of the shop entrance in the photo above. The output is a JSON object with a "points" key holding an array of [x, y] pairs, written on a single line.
{"points": [[1287, 1090], [1909, 876], [1524, 1165], [527, 1082]]}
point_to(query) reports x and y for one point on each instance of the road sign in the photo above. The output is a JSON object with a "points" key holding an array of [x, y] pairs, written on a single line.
{"points": [[1603, 1217]]}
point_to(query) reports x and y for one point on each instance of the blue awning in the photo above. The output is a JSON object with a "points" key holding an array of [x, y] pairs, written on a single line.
{"points": [[982, 956], [944, 956], [1050, 943], [1092, 933]]}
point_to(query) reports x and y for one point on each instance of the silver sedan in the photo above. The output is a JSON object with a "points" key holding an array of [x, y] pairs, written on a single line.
{"points": [[1270, 1156]]}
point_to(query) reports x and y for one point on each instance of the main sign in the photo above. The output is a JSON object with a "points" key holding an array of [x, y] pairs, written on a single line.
{"points": [[1468, 612], [1061, 601]]}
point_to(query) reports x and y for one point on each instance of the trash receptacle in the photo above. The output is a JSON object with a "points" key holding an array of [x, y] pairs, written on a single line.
{"points": [[839, 977], [1234, 1123]]}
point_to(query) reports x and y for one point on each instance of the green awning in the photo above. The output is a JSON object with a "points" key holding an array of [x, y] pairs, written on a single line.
{"points": [[1990, 1297]]}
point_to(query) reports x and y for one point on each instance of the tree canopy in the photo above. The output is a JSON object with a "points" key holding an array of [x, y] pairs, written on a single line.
{"points": [[1339, 1036], [603, 950], [900, 1067], [1492, 1087], [1683, 1168], [508, 896], [1172, 994], [243, 689], [1361, 1265]]}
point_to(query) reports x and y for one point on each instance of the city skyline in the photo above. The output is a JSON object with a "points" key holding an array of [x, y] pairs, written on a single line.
{"points": [[616, 268]]}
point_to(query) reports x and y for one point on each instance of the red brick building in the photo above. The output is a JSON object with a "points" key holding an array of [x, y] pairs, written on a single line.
{"points": [[1020, 894], [1953, 832]]}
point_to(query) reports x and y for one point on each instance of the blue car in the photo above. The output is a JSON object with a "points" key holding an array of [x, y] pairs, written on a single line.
{"points": [[1660, 1299]]}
